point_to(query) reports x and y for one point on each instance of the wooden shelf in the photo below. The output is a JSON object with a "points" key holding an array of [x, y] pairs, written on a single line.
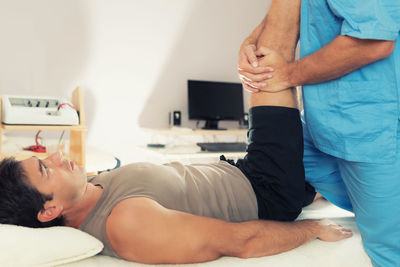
{"points": [[77, 148], [10, 127]]}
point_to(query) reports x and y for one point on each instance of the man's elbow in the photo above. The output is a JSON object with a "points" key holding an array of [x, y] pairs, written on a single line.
{"points": [[384, 49]]}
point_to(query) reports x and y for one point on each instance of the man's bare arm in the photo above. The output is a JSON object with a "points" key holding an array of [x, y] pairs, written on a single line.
{"points": [[342, 56], [139, 229], [338, 58]]}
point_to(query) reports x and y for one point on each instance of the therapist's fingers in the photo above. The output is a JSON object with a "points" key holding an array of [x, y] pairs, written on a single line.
{"points": [[256, 85], [249, 87], [248, 79], [247, 57], [256, 77], [249, 52], [251, 69], [246, 82], [248, 61]]}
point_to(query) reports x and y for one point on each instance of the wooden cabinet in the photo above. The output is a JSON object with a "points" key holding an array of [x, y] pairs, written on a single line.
{"points": [[77, 147]]}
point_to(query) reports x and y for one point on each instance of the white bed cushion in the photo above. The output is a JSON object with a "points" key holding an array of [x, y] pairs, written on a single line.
{"points": [[23, 246]]}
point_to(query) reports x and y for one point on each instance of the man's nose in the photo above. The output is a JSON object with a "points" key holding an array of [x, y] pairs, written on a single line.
{"points": [[56, 158]]}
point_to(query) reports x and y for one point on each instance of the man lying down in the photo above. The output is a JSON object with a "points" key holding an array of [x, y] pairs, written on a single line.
{"points": [[176, 213]]}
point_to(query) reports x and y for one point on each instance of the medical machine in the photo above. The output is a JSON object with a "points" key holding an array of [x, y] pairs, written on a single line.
{"points": [[33, 110]]}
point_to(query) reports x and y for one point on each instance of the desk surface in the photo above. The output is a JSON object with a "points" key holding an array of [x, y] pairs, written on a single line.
{"points": [[192, 154], [188, 131]]}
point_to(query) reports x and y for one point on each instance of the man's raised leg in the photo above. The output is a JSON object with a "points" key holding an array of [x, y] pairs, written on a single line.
{"points": [[274, 160]]}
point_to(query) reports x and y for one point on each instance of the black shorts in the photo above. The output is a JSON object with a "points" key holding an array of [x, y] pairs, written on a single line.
{"points": [[274, 162]]}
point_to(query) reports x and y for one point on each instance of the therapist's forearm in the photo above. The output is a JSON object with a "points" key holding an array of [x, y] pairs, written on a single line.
{"points": [[338, 58], [281, 28]]}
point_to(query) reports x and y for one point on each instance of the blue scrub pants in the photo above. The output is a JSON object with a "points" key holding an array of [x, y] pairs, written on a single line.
{"points": [[371, 191]]}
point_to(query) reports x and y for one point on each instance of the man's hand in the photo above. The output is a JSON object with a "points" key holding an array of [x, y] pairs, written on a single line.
{"points": [[276, 79], [332, 232], [249, 70]]}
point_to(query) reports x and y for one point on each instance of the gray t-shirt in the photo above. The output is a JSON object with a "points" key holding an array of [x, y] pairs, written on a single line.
{"points": [[217, 190]]}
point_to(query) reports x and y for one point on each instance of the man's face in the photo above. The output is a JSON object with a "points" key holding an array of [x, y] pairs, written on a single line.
{"points": [[63, 179]]}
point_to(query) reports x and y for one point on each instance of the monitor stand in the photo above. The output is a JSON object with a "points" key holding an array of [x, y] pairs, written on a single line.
{"points": [[212, 125]]}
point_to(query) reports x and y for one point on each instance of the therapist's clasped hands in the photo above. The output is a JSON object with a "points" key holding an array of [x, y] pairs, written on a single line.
{"points": [[263, 69]]}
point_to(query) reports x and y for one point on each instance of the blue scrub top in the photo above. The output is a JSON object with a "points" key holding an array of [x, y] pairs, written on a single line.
{"points": [[354, 117]]}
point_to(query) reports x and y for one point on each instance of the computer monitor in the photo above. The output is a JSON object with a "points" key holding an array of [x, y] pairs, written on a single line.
{"points": [[214, 101]]}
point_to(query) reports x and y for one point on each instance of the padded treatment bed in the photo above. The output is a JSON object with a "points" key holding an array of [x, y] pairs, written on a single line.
{"points": [[348, 252]]}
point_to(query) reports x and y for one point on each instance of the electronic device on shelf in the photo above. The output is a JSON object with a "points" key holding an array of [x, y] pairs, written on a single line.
{"points": [[33, 110], [223, 147], [215, 101]]}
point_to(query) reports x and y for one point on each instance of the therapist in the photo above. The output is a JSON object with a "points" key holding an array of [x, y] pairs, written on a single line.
{"points": [[350, 72]]}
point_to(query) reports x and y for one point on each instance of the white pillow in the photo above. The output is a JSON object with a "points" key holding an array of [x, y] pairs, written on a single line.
{"points": [[23, 246]]}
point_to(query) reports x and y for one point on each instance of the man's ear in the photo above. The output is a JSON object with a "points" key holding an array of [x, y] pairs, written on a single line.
{"points": [[49, 213]]}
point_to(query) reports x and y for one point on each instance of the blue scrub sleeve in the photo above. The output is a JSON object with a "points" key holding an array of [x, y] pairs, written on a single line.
{"points": [[368, 19]]}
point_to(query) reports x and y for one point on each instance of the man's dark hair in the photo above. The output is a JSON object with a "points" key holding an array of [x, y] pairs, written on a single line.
{"points": [[20, 202]]}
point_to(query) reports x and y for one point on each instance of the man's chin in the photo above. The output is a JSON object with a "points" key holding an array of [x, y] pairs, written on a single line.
{"points": [[80, 169]]}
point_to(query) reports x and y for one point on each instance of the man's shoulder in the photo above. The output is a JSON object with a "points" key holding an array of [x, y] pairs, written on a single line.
{"points": [[127, 226], [128, 209], [131, 215]]}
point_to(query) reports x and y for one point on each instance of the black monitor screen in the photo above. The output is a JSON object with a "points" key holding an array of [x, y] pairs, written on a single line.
{"points": [[215, 101]]}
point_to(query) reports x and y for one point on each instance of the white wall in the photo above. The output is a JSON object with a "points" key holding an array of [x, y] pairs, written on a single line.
{"points": [[132, 57]]}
